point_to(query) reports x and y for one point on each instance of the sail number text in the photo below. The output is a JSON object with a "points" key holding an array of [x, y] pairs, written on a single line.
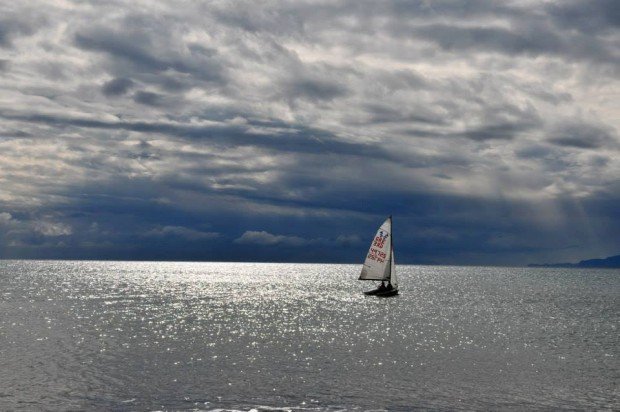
{"points": [[379, 240], [375, 254]]}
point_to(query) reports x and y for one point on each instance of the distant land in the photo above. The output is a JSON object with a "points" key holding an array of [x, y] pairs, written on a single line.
{"points": [[609, 262]]}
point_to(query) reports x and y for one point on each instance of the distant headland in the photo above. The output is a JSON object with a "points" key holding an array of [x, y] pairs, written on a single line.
{"points": [[609, 262]]}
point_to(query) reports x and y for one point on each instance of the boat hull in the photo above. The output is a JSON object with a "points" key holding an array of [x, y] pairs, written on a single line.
{"points": [[387, 293], [381, 293]]}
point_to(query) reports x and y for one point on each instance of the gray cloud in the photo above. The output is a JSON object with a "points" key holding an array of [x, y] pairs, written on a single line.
{"points": [[47, 228], [505, 131], [534, 40], [148, 98], [13, 27], [583, 136], [315, 89], [489, 128], [117, 86], [597, 16], [135, 42], [482, 38], [181, 232], [268, 239], [264, 238], [275, 136]]}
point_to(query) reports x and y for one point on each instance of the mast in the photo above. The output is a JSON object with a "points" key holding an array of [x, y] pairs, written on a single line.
{"points": [[391, 247], [393, 278]]}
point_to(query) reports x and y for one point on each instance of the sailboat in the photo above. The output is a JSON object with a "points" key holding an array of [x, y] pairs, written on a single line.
{"points": [[379, 263]]}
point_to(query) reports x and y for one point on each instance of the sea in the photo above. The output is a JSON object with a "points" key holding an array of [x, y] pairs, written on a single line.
{"points": [[182, 336]]}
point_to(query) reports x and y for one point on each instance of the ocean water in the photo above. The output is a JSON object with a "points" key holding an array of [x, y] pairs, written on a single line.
{"points": [[83, 335]]}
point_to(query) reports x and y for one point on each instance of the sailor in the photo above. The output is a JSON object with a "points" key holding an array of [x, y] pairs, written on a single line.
{"points": [[381, 286], [389, 285]]}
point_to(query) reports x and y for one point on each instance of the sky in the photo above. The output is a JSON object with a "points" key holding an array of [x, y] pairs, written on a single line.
{"points": [[289, 130]]}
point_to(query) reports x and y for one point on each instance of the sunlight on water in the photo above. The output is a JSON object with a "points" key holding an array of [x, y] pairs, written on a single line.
{"points": [[155, 335]]}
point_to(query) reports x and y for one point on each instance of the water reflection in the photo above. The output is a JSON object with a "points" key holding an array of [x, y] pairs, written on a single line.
{"points": [[153, 335]]}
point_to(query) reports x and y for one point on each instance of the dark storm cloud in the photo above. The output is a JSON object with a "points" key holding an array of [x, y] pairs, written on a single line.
{"points": [[534, 152], [13, 27], [596, 16], [138, 46], [148, 98], [124, 47], [14, 134], [583, 136], [491, 132], [502, 131], [182, 232], [220, 130], [531, 40], [567, 29], [382, 113], [315, 89], [284, 138], [459, 38], [117, 87]]}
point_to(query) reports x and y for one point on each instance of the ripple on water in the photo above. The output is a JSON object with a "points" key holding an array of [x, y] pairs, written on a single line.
{"points": [[157, 335]]}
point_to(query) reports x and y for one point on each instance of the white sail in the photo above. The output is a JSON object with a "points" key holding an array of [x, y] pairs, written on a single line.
{"points": [[377, 265]]}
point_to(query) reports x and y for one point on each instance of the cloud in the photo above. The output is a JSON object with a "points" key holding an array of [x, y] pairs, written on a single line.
{"points": [[488, 38], [117, 86], [505, 131], [47, 228], [181, 232], [264, 238], [267, 239], [316, 89], [267, 135], [481, 125], [598, 16], [13, 26], [148, 98], [5, 218], [583, 136], [348, 240], [134, 40]]}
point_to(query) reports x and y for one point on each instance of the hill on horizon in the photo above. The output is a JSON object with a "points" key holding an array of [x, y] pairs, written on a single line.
{"points": [[608, 262]]}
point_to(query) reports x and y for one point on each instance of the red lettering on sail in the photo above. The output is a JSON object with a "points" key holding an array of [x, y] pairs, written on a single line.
{"points": [[375, 254], [379, 240]]}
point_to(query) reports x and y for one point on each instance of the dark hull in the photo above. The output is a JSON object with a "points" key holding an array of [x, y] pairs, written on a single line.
{"points": [[382, 293], [387, 293]]}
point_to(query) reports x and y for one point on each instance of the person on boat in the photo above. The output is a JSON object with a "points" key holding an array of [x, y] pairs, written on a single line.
{"points": [[389, 286], [381, 286]]}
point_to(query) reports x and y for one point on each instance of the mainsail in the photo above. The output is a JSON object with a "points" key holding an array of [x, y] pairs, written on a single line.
{"points": [[379, 263]]}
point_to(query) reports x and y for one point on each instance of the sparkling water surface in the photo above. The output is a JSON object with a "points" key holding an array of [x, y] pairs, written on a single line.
{"points": [[78, 335]]}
